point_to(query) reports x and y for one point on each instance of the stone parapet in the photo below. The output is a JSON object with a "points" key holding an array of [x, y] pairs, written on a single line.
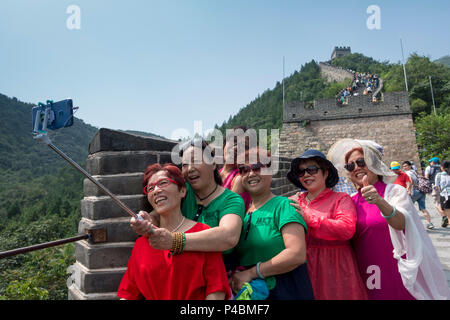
{"points": [[395, 133], [117, 160], [393, 103], [103, 207], [106, 255], [333, 73]]}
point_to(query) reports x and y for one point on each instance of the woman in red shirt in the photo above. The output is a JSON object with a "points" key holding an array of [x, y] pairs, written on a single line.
{"points": [[154, 274]]}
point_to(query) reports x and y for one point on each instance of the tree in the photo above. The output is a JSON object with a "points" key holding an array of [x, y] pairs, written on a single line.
{"points": [[433, 135]]}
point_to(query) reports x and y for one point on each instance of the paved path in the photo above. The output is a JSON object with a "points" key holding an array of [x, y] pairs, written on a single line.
{"points": [[439, 236]]}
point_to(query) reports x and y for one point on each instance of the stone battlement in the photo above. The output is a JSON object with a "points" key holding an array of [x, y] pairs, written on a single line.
{"points": [[393, 103], [332, 73]]}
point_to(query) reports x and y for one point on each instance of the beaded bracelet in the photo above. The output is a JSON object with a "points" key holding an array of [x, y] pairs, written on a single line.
{"points": [[184, 242], [177, 243], [394, 212]]}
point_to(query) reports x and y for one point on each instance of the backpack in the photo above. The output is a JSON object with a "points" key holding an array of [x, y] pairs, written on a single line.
{"points": [[424, 184], [434, 170]]}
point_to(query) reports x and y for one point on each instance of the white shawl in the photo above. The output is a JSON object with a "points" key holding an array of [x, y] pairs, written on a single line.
{"points": [[422, 273]]}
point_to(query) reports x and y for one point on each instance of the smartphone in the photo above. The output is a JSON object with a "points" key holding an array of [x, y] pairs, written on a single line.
{"points": [[60, 115]]}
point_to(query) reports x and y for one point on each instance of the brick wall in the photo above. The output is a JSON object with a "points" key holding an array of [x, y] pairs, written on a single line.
{"points": [[395, 133], [117, 160], [392, 103], [334, 74]]}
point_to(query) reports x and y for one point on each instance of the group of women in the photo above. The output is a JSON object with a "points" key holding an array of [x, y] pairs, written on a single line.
{"points": [[205, 241]]}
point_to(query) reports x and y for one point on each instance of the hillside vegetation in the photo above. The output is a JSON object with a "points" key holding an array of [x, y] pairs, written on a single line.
{"points": [[40, 197]]}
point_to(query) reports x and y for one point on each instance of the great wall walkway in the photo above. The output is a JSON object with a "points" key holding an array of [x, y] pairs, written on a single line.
{"points": [[439, 236]]}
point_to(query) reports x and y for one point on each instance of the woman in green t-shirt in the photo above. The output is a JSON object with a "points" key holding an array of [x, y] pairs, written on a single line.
{"points": [[272, 243], [206, 201]]}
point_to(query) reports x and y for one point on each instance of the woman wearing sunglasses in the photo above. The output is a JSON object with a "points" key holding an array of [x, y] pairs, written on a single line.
{"points": [[206, 201], [272, 244], [172, 274], [331, 220], [396, 257]]}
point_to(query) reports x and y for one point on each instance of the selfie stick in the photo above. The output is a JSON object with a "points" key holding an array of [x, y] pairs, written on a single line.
{"points": [[42, 137]]}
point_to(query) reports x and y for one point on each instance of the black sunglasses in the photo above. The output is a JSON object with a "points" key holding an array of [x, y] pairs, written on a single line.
{"points": [[351, 166], [244, 169], [311, 170]]}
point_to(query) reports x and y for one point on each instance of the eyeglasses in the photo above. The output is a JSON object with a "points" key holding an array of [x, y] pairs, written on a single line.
{"points": [[244, 169], [311, 170], [161, 183], [351, 166]]}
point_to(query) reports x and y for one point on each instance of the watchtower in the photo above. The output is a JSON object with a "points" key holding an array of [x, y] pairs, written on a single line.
{"points": [[340, 52]]}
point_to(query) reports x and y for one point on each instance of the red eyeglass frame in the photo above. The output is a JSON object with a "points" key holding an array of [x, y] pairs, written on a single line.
{"points": [[156, 184]]}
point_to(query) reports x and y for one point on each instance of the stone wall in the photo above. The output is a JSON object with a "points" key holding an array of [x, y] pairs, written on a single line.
{"points": [[334, 74], [319, 124], [117, 160], [395, 133], [392, 103]]}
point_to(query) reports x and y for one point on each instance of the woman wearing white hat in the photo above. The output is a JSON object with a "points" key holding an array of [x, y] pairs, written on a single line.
{"points": [[396, 258]]}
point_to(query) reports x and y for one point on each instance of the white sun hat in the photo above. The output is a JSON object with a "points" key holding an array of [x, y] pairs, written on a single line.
{"points": [[373, 153]]}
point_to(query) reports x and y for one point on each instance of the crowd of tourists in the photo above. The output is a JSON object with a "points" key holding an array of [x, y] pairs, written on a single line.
{"points": [[351, 231], [365, 82]]}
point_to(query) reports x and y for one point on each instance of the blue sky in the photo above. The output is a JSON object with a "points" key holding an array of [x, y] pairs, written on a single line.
{"points": [[158, 66]]}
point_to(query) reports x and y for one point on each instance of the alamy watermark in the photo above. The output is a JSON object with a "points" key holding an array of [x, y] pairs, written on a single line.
{"points": [[73, 22], [238, 142], [374, 20]]}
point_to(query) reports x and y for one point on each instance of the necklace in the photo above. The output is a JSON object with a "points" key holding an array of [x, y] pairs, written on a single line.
{"points": [[308, 201], [181, 223], [201, 199]]}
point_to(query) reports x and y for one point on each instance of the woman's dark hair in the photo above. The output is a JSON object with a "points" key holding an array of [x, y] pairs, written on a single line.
{"points": [[196, 142], [407, 162], [446, 165]]}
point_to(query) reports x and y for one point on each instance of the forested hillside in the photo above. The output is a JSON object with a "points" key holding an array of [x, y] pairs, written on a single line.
{"points": [[444, 60], [40, 197]]}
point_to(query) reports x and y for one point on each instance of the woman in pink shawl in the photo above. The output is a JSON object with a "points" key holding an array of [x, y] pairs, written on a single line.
{"points": [[396, 257]]}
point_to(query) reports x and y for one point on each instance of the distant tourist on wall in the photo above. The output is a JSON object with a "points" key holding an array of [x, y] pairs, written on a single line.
{"points": [[417, 195], [431, 171], [173, 274], [396, 257], [402, 178], [331, 220], [442, 182]]}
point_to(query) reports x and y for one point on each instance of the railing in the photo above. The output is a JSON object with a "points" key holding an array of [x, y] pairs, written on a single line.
{"points": [[94, 236]]}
